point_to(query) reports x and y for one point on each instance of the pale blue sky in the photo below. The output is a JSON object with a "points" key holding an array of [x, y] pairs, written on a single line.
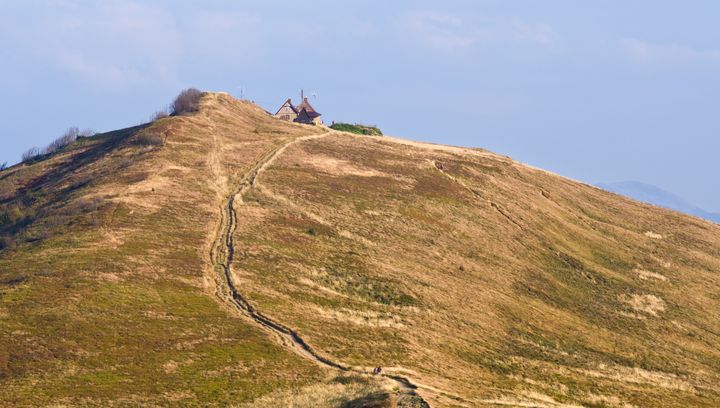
{"points": [[594, 90]]}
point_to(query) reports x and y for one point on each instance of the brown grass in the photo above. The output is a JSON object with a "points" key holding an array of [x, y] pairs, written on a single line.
{"points": [[487, 282], [492, 269]]}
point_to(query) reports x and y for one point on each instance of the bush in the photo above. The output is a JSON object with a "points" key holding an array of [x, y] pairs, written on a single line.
{"points": [[70, 136], [87, 133], [66, 139], [14, 218], [6, 242], [82, 206], [30, 154], [161, 114], [146, 139], [82, 182], [5, 219], [187, 102], [13, 215], [357, 128]]}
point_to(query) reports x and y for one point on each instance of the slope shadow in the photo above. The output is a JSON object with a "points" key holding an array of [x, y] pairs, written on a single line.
{"points": [[42, 190], [374, 400]]}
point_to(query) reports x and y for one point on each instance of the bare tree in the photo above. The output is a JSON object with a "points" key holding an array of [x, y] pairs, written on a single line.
{"points": [[187, 101], [30, 154], [67, 138], [87, 133], [159, 115]]}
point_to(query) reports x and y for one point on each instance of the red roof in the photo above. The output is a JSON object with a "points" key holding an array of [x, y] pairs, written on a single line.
{"points": [[311, 112]]}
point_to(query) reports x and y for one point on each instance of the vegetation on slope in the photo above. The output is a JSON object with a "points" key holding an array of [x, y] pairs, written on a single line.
{"points": [[484, 281], [188, 101], [357, 129], [487, 279], [104, 290]]}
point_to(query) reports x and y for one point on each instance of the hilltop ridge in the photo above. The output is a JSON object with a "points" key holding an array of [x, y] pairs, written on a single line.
{"points": [[249, 260]]}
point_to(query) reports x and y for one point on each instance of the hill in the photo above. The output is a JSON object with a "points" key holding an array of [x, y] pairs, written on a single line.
{"points": [[253, 262], [654, 195]]}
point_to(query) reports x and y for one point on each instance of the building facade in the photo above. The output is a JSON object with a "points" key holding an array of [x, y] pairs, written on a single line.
{"points": [[303, 113], [287, 112]]}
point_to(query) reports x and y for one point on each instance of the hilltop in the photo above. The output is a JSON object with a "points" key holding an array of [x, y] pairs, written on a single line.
{"points": [[249, 261]]}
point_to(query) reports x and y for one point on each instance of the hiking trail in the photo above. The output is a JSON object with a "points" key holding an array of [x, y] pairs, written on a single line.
{"points": [[222, 253]]}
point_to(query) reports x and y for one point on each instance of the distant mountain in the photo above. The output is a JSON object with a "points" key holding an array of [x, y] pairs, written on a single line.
{"points": [[657, 196]]}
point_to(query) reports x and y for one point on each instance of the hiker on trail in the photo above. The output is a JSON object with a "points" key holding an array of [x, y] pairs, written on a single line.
{"points": [[377, 370]]}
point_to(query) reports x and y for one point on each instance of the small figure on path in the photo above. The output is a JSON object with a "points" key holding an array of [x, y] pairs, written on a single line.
{"points": [[377, 371]]}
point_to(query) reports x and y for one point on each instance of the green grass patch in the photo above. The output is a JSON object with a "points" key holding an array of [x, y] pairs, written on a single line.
{"points": [[357, 129]]}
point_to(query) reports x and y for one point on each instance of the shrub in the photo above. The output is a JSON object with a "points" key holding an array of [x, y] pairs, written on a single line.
{"points": [[14, 218], [66, 139], [82, 182], [13, 215], [82, 206], [6, 242], [187, 101], [30, 154], [4, 219], [127, 162], [70, 136], [357, 128], [147, 139], [87, 133], [161, 114]]}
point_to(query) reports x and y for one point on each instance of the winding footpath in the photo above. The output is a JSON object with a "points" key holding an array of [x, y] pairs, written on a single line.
{"points": [[221, 255]]}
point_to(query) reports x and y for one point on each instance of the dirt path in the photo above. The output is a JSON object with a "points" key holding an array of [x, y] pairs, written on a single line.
{"points": [[221, 254]]}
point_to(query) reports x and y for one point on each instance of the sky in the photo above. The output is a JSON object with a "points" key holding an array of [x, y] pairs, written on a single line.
{"points": [[595, 90]]}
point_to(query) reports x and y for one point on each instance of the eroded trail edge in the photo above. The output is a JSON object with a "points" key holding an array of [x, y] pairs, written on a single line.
{"points": [[222, 253]]}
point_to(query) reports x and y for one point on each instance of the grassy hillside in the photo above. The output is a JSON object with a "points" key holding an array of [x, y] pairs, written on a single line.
{"points": [[105, 294], [481, 281], [484, 278]]}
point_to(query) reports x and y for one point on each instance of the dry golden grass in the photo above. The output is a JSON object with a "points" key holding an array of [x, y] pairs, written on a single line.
{"points": [[110, 304], [486, 282], [488, 271]]}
